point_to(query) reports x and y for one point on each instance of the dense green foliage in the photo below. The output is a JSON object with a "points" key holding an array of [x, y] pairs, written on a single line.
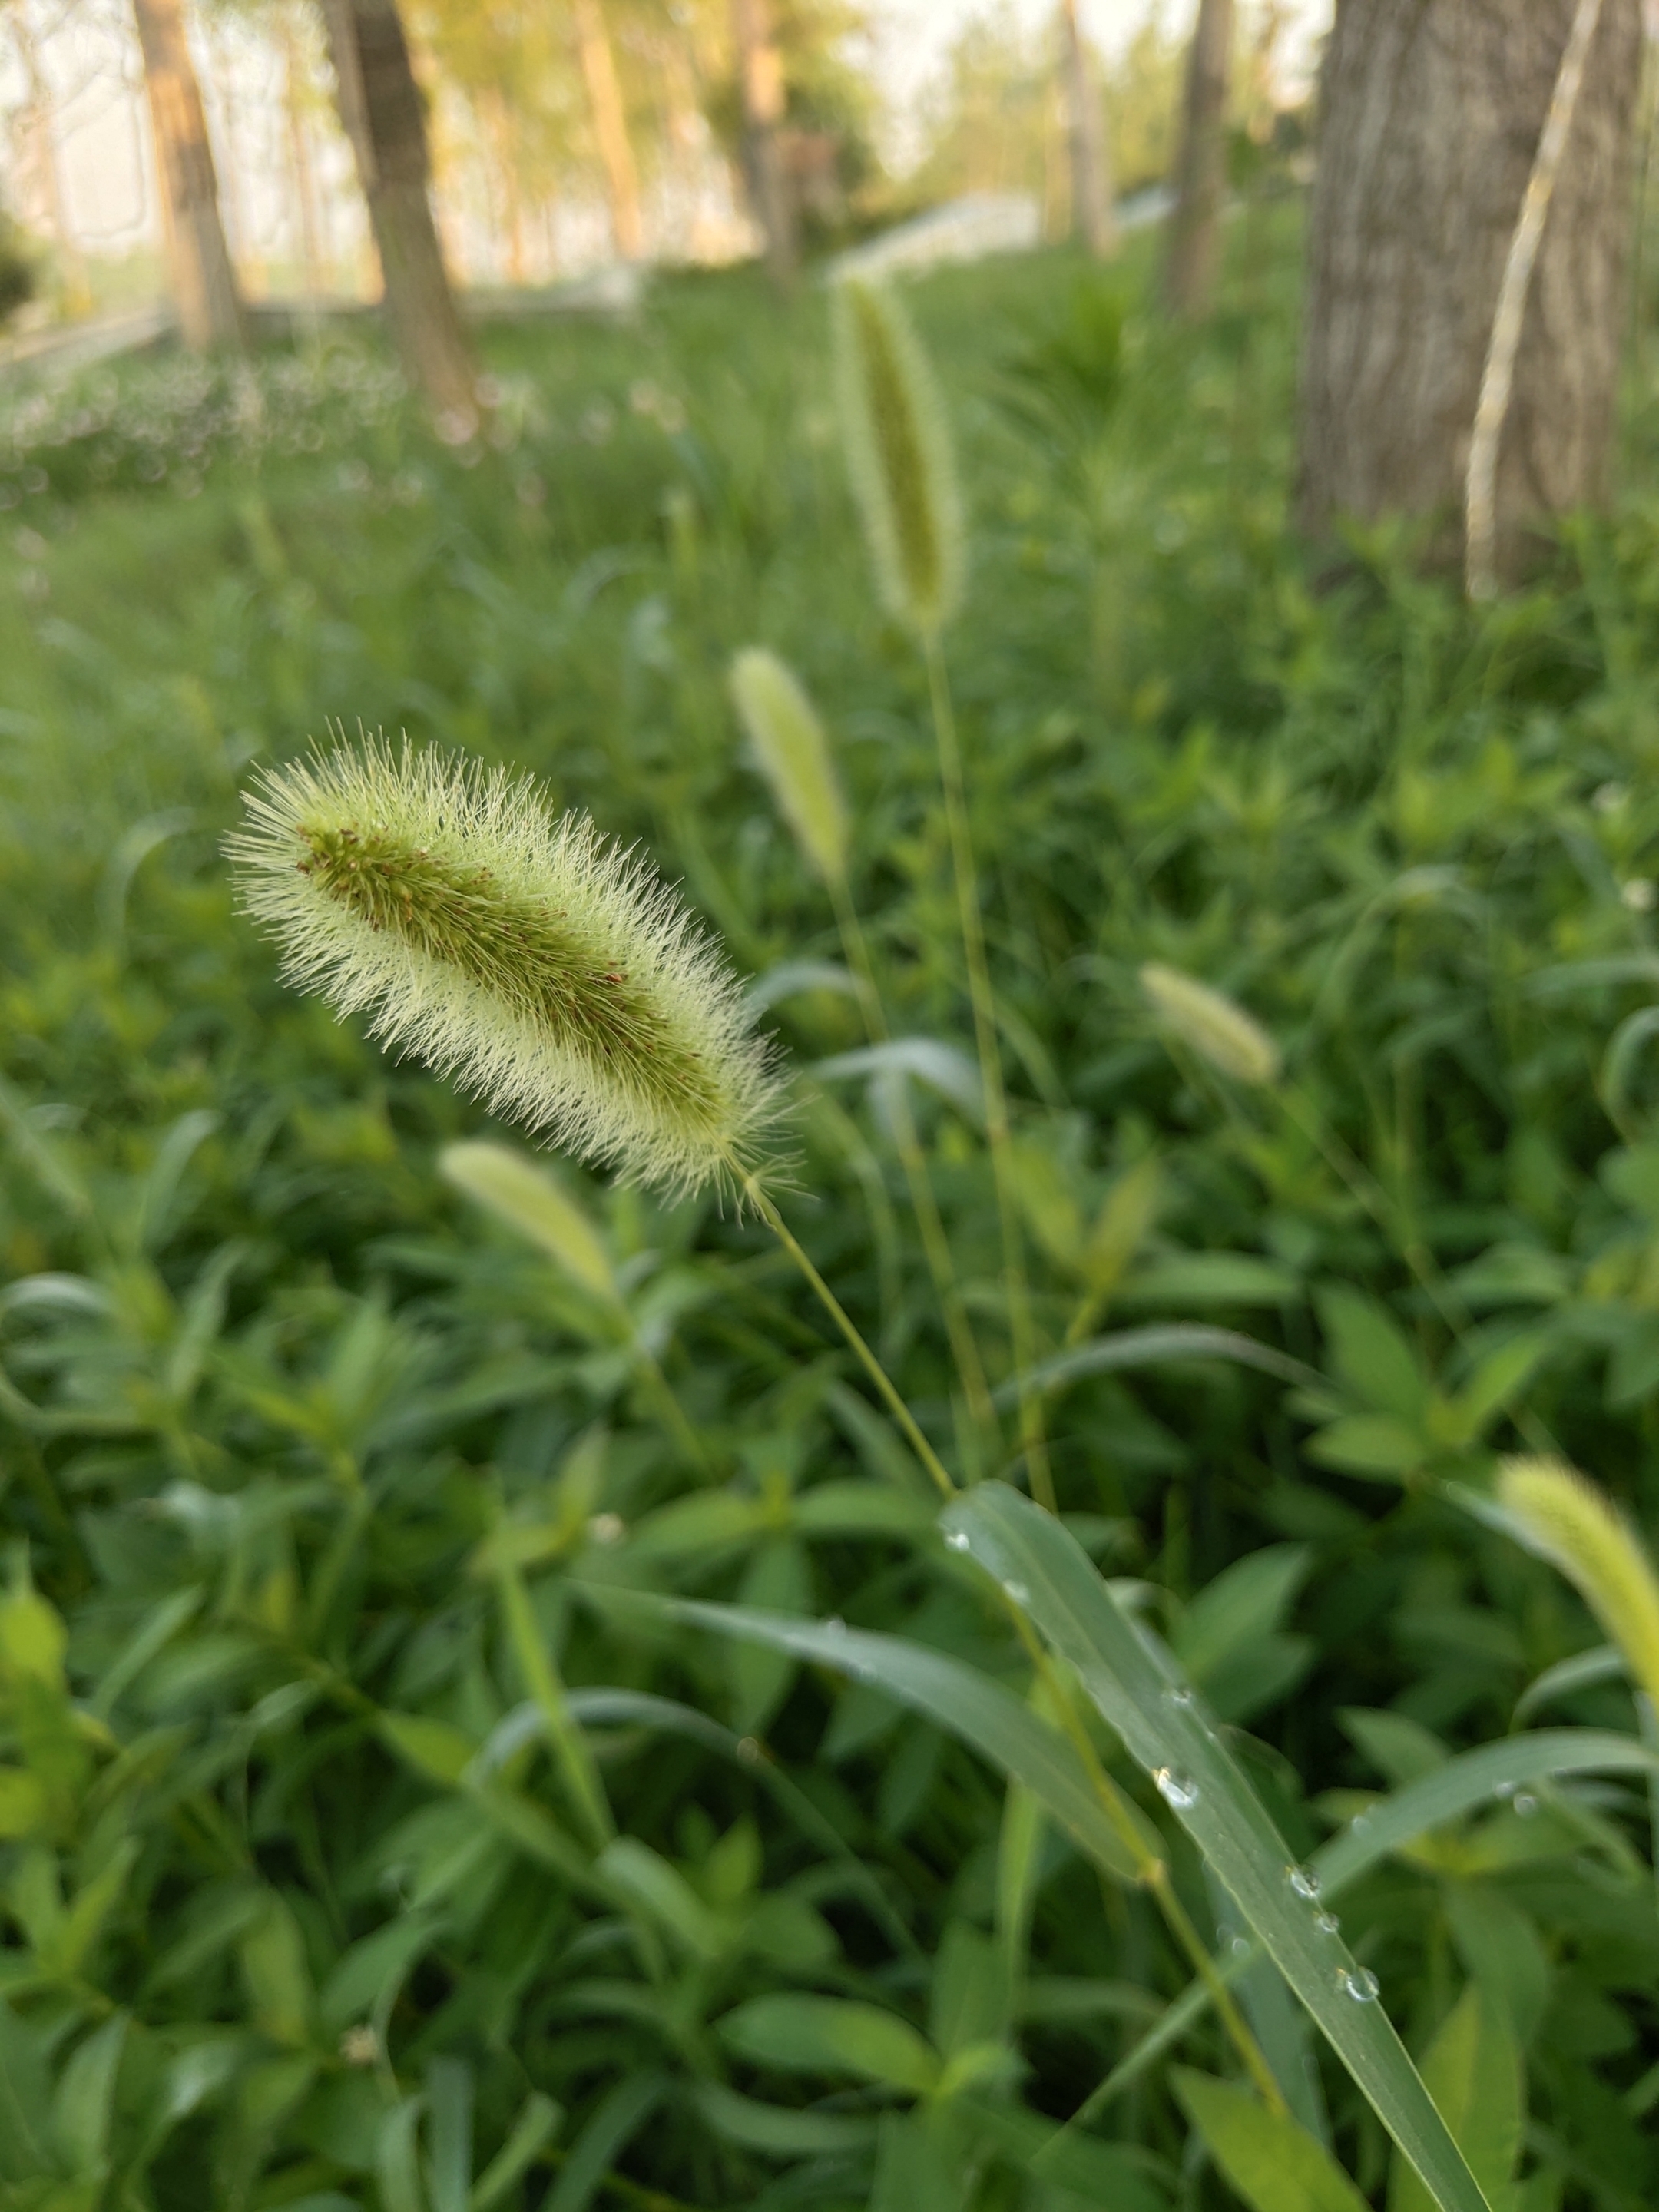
{"points": [[320, 1886]]}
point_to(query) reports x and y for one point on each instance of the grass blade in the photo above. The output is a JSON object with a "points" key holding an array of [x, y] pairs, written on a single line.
{"points": [[1051, 1578], [989, 1719]]}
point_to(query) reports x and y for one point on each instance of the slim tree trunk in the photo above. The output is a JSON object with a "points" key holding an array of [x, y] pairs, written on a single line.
{"points": [[610, 119], [760, 69], [210, 311], [1195, 236], [42, 149], [380, 108], [299, 158], [1094, 216], [1431, 120], [497, 120]]}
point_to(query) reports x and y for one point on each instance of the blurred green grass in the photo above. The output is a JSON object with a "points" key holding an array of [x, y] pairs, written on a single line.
{"points": [[297, 1385]]}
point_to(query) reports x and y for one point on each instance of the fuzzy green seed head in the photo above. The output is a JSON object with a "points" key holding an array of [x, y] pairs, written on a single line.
{"points": [[795, 757], [898, 451], [1580, 1531], [1216, 1027], [546, 969]]}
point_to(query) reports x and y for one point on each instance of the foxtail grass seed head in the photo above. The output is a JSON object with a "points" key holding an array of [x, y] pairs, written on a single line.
{"points": [[526, 1198], [898, 451], [544, 967], [1579, 1530], [1216, 1027], [793, 753]]}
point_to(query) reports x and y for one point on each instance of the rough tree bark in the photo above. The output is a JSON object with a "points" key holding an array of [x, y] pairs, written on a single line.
{"points": [[380, 108], [1192, 246], [204, 283], [1430, 119], [760, 73], [609, 120], [1094, 215]]}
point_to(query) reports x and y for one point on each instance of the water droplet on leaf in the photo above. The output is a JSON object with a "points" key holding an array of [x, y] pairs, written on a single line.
{"points": [[1176, 1788]]}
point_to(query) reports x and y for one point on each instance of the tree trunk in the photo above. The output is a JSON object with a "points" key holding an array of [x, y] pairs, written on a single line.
{"points": [[760, 71], [1194, 237], [1430, 121], [210, 311], [299, 155], [1094, 216], [41, 149], [380, 108], [610, 119]]}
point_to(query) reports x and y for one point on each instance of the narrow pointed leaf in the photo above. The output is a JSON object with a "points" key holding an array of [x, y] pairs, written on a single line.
{"points": [[987, 1717], [1050, 1578]]}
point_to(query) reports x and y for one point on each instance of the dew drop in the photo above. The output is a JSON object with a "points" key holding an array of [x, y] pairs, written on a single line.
{"points": [[1360, 1824], [1327, 1923], [957, 1540], [1018, 1592], [1525, 1804], [836, 1625], [1359, 1983], [1304, 1881], [1182, 1699], [1176, 1788], [1504, 1789]]}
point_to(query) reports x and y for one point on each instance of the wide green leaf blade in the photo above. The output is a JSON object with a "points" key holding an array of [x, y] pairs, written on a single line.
{"points": [[1270, 2159], [1049, 1577], [991, 1720]]}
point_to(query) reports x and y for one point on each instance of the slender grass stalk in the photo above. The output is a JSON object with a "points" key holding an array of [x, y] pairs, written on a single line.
{"points": [[1033, 1441], [792, 750], [935, 1243], [756, 1193], [904, 479]]}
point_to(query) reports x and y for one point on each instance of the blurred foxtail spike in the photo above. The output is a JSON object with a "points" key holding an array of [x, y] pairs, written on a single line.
{"points": [[1579, 1530], [1216, 1027], [899, 455], [793, 754]]}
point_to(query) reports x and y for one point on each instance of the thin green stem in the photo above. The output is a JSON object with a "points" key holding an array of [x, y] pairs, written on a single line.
{"points": [[935, 1244], [675, 1417], [1032, 1439], [931, 1462]]}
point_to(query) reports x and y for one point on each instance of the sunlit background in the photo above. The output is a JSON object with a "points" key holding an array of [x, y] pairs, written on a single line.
{"points": [[921, 99]]}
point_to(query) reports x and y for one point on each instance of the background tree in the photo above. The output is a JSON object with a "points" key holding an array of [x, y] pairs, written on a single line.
{"points": [[204, 282], [1429, 120], [760, 79], [38, 145], [985, 118], [381, 107], [609, 121], [1193, 243], [1094, 218]]}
